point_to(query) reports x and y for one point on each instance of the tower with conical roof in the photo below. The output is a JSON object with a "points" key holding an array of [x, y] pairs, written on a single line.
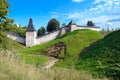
{"points": [[72, 26], [30, 34]]}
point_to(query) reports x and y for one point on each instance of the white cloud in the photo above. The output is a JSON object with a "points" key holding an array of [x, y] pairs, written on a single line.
{"points": [[114, 20], [98, 1], [100, 12], [54, 14], [77, 0], [114, 12]]}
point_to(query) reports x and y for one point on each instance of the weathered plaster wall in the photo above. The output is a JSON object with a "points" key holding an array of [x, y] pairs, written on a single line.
{"points": [[16, 37], [48, 37]]}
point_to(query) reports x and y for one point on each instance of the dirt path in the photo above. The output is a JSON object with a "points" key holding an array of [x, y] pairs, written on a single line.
{"points": [[50, 63]]}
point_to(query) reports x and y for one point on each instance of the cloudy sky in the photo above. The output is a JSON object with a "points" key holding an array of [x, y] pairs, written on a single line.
{"points": [[104, 13]]}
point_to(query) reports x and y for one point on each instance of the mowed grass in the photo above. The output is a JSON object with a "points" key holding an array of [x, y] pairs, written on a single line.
{"points": [[103, 58], [76, 41]]}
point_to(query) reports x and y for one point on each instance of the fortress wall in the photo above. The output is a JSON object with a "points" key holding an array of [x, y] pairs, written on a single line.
{"points": [[47, 37], [73, 27], [96, 29], [91, 28], [16, 37], [64, 30]]}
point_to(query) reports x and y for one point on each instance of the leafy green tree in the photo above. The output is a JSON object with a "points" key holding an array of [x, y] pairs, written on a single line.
{"points": [[4, 5], [41, 31], [8, 24], [90, 23], [53, 24], [5, 22]]}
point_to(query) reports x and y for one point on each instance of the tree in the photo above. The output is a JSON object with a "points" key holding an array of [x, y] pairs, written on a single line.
{"points": [[8, 24], [53, 24], [41, 31], [5, 22], [103, 29], [90, 23]]}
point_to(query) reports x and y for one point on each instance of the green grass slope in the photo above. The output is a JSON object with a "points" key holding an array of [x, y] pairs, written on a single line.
{"points": [[8, 44], [75, 41], [103, 57]]}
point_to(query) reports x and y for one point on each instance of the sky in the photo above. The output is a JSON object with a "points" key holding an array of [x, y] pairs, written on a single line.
{"points": [[104, 13]]}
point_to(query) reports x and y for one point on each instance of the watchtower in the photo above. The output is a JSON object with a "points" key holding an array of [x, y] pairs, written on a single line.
{"points": [[72, 26], [30, 34]]}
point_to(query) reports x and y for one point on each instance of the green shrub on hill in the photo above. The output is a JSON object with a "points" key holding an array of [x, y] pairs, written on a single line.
{"points": [[103, 58]]}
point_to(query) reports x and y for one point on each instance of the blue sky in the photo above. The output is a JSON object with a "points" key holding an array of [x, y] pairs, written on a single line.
{"points": [[104, 13]]}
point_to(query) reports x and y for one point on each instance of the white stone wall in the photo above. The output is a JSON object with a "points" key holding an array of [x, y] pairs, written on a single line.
{"points": [[75, 27], [96, 29], [64, 30], [30, 39], [16, 37], [48, 37]]}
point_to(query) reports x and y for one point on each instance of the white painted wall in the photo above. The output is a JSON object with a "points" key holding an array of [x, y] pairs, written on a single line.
{"points": [[47, 37], [75, 27], [96, 29], [30, 38], [16, 37]]}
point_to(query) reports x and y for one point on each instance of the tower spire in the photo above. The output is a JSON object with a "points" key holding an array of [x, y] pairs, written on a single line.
{"points": [[30, 27]]}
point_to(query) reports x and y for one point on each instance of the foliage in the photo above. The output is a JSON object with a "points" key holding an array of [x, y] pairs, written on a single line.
{"points": [[5, 22], [19, 30], [103, 57], [53, 24], [4, 5], [90, 23], [11, 68], [75, 41], [41, 31], [3, 41]]}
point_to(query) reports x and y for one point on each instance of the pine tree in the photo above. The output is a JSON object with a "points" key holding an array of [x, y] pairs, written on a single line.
{"points": [[90, 23]]}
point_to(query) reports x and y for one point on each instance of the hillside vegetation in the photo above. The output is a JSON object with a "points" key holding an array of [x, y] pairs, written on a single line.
{"points": [[103, 57], [11, 68], [8, 44], [75, 41]]}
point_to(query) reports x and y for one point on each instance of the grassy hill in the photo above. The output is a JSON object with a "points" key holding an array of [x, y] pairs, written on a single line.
{"points": [[103, 57], [8, 44], [75, 41]]}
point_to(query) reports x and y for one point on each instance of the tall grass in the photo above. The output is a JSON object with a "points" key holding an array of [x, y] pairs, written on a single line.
{"points": [[12, 68], [103, 58]]}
